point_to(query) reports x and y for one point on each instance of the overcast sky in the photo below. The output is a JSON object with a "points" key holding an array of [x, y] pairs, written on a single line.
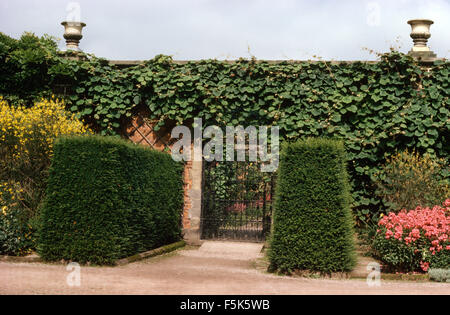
{"points": [[229, 29]]}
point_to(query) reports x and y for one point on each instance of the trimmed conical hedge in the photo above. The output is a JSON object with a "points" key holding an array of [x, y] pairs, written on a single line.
{"points": [[313, 228]]}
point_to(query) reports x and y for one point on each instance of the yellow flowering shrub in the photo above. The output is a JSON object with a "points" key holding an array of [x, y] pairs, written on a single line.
{"points": [[408, 180], [10, 193], [26, 147], [28, 133]]}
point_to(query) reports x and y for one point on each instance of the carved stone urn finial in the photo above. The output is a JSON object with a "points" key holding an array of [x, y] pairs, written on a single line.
{"points": [[72, 34], [420, 34]]}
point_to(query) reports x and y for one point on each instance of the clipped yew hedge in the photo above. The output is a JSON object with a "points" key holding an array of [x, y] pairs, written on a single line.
{"points": [[313, 228], [108, 199]]}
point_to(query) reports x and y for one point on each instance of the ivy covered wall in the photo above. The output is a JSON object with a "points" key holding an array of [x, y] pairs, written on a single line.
{"points": [[376, 108]]}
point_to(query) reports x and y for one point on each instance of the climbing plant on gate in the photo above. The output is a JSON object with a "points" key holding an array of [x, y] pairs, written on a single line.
{"points": [[375, 108]]}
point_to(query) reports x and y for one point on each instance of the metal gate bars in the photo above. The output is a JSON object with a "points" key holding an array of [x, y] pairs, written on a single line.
{"points": [[237, 201]]}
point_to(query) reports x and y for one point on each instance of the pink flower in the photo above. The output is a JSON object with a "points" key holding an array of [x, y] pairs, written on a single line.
{"points": [[415, 233], [424, 229], [425, 266]]}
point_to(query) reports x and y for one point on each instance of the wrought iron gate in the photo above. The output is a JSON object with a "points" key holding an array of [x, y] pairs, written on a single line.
{"points": [[237, 201]]}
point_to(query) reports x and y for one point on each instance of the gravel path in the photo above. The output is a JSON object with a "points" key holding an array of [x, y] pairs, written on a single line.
{"points": [[208, 270]]}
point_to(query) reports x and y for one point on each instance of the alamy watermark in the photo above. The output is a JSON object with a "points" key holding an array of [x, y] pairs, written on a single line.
{"points": [[374, 277], [73, 10], [73, 279], [373, 14], [229, 147]]}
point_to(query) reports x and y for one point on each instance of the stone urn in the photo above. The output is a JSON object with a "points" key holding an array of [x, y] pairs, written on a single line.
{"points": [[72, 34], [420, 33]]}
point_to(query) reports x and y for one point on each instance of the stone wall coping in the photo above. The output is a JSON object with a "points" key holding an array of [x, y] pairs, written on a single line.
{"points": [[129, 63]]}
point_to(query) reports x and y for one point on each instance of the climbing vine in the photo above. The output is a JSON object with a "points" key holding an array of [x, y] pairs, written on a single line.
{"points": [[376, 108]]}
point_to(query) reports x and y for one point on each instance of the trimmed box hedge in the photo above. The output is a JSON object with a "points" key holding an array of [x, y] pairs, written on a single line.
{"points": [[313, 228], [108, 198]]}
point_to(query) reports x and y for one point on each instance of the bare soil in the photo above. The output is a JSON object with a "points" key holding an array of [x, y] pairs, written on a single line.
{"points": [[214, 268]]}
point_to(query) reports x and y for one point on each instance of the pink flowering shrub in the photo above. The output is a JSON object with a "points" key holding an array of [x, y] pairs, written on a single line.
{"points": [[415, 240]]}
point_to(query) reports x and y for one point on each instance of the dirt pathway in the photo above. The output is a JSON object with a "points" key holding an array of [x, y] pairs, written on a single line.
{"points": [[215, 268]]}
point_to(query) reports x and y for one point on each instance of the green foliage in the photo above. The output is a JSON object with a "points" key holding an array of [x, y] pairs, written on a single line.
{"points": [[409, 179], [397, 255], [17, 232], [313, 226], [24, 65], [439, 275], [108, 199], [375, 108]]}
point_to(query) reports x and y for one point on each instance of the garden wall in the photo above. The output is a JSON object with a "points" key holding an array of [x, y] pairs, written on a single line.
{"points": [[376, 108]]}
